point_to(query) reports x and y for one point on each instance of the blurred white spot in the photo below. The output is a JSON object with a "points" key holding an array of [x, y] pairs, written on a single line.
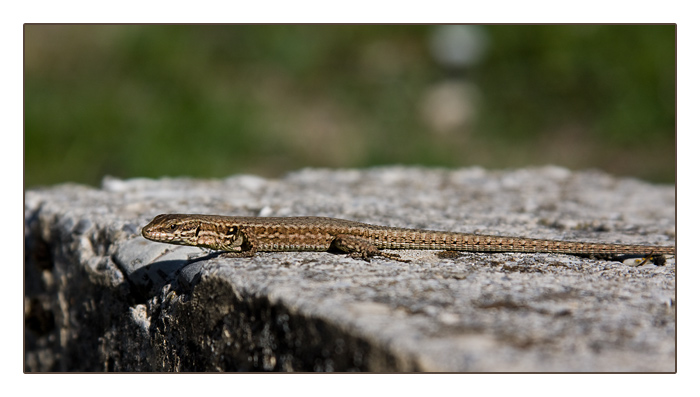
{"points": [[458, 46], [266, 211], [449, 106]]}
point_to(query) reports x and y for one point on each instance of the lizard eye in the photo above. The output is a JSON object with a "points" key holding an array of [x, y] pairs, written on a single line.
{"points": [[232, 230], [173, 226]]}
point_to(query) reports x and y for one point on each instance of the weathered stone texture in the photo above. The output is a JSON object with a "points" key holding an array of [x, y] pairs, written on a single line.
{"points": [[98, 297]]}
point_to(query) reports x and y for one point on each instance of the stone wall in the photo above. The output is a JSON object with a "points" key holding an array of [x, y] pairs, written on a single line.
{"points": [[99, 297]]}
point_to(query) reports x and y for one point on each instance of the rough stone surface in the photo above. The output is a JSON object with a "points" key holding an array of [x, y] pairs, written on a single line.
{"points": [[99, 297]]}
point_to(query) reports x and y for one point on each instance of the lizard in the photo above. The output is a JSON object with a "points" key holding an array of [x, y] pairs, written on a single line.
{"points": [[244, 236]]}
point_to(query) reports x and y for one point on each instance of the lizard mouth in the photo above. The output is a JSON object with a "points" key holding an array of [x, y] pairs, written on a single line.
{"points": [[147, 234], [154, 235]]}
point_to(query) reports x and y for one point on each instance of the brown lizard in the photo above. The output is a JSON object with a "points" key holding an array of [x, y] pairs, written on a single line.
{"points": [[244, 236]]}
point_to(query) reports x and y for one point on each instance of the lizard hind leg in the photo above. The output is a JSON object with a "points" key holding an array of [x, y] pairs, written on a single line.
{"points": [[360, 248]]}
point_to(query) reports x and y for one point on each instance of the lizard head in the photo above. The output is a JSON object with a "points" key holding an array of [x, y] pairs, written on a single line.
{"points": [[173, 229], [197, 230]]}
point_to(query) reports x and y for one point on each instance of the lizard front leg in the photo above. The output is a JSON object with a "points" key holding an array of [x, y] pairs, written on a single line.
{"points": [[360, 248], [244, 246]]}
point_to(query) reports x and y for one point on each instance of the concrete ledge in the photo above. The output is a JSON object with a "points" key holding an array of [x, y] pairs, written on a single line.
{"points": [[98, 297]]}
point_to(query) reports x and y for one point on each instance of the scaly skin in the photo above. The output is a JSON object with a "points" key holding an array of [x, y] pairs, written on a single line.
{"points": [[243, 236]]}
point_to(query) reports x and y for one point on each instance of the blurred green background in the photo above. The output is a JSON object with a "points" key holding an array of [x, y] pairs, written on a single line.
{"points": [[215, 100]]}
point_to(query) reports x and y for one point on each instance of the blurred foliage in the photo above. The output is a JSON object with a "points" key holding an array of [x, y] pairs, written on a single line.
{"points": [[215, 100]]}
